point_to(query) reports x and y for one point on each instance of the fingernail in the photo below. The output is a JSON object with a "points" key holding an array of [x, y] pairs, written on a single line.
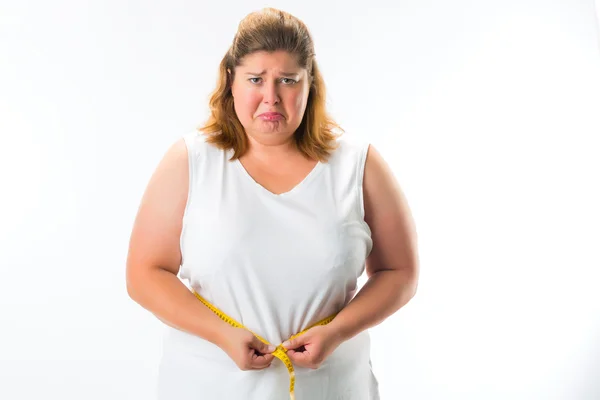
{"points": [[286, 344], [271, 348]]}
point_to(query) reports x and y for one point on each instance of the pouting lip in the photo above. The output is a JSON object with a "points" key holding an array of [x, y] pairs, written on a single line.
{"points": [[270, 114]]}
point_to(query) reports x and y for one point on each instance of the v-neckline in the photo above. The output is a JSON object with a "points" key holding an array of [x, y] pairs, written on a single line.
{"points": [[309, 177]]}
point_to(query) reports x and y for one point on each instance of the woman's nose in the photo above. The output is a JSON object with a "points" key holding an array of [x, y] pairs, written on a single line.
{"points": [[270, 94]]}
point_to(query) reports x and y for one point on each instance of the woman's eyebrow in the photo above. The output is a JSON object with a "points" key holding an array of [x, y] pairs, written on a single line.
{"points": [[263, 72]]}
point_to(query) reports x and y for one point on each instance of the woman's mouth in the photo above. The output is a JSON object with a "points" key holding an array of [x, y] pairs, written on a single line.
{"points": [[270, 116]]}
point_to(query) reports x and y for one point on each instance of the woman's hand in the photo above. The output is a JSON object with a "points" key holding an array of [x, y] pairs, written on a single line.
{"points": [[310, 349], [246, 350]]}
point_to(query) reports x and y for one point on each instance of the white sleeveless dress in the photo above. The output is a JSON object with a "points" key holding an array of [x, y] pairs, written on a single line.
{"points": [[277, 264]]}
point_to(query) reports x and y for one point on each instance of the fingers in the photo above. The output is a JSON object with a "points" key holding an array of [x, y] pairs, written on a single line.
{"points": [[300, 356], [253, 361], [261, 347], [261, 361], [261, 356], [304, 359], [297, 343], [290, 344]]}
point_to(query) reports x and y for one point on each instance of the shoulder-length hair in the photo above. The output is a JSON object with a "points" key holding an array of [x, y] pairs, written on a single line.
{"points": [[270, 30]]}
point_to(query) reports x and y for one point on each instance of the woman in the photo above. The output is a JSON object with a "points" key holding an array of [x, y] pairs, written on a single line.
{"points": [[271, 217]]}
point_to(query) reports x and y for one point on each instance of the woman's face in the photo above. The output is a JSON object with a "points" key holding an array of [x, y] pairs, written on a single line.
{"points": [[270, 83]]}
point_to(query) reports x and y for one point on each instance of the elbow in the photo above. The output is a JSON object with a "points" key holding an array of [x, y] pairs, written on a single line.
{"points": [[412, 282], [414, 287], [131, 289], [408, 284], [132, 282]]}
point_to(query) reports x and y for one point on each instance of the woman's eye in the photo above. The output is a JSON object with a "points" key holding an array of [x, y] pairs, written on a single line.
{"points": [[287, 81]]}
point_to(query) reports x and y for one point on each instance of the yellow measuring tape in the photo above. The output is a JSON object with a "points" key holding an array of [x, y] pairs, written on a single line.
{"points": [[280, 351]]}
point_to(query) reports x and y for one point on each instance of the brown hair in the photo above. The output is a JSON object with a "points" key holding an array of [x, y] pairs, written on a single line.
{"points": [[270, 30]]}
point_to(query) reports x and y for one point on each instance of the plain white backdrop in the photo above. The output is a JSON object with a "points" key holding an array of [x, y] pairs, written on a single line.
{"points": [[487, 111]]}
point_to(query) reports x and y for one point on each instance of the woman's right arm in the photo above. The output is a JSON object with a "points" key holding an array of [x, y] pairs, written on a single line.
{"points": [[154, 255]]}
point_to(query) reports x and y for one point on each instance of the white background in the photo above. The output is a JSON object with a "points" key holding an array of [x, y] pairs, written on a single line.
{"points": [[488, 112]]}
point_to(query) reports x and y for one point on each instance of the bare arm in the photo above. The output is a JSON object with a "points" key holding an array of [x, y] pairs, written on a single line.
{"points": [[154, 255], [392, 266]]}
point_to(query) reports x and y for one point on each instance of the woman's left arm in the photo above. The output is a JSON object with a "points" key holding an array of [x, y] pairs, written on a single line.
{"points": [[392, 266]]}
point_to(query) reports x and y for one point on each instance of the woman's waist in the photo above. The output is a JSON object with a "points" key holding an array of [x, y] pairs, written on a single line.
{"points": [[354, 351]]}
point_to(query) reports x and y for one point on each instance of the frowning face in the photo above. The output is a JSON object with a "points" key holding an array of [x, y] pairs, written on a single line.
{"points": [[270, 93]]}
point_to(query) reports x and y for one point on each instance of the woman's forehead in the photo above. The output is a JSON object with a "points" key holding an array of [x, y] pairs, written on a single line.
{"points": [[262, 60]]}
